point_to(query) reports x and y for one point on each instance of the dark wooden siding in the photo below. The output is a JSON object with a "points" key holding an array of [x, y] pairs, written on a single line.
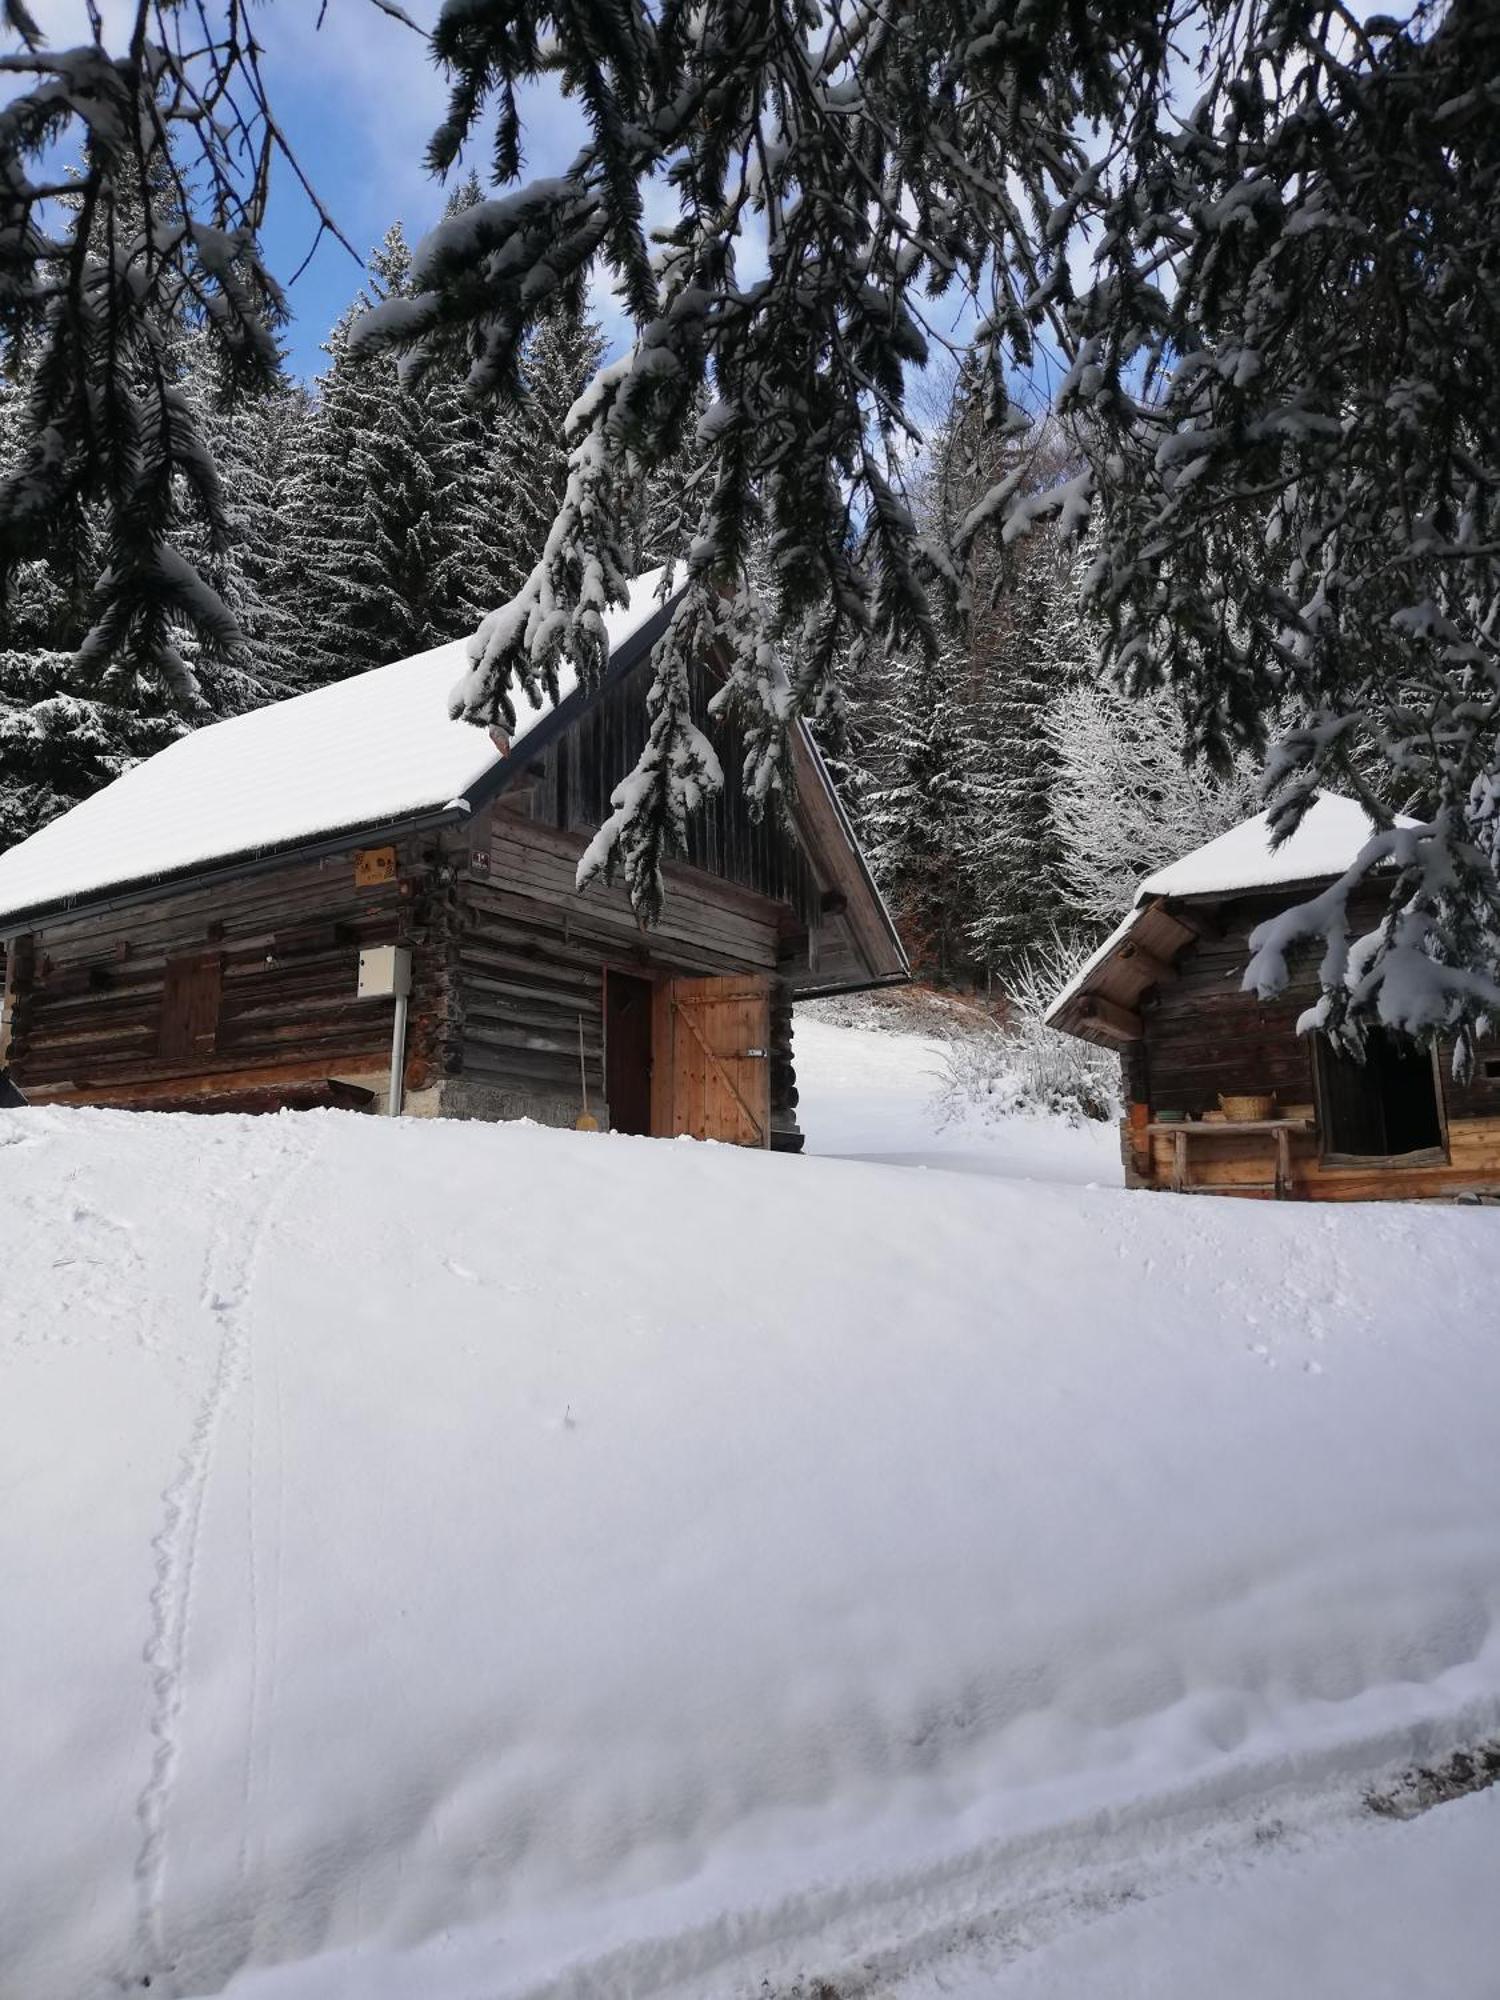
{"points": [[573, 780], [256, 976], [1205, 1036], [530, 953]]}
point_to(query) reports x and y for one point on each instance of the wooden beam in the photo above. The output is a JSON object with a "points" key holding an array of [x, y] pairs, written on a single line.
{"points": [[19, 960], [1200, 920], [1119, 1023], [1157, 970]]}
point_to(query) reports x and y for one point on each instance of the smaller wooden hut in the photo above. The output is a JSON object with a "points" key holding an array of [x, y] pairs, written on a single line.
{"points": [[1223, 1095], [349, 900]]}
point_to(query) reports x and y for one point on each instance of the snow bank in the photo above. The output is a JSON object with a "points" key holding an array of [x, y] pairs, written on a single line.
{"points": [[493, 1562], [1382, 1913], [379, 746]]}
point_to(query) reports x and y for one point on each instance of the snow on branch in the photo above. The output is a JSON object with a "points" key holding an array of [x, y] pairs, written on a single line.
{"points": [[676, 771]]}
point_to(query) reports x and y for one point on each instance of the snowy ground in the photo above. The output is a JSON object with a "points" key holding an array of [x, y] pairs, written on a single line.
{"points": [[868, 1094], [462, 1563]]}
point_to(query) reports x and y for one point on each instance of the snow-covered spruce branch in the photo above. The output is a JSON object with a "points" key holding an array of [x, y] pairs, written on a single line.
{"points": [[100, 271], [1391, 975], [558, 614], [677, 769]]}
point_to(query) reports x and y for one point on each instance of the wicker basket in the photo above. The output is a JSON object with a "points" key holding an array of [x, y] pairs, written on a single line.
{"points": [[1247, 1110]]}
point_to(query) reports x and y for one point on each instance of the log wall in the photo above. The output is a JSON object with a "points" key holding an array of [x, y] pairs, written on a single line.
{"points": [[571, 783], [529, 956], [246, 990], [96, 1019], [1204, 1036]]}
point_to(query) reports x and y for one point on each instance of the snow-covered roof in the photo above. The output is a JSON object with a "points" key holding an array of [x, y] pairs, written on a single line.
{"points": [[375, 749], [1328, 841]]}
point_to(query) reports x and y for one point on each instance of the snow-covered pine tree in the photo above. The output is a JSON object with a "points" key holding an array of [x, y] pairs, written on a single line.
{"points": [[378, 528], [1027, 642], [66, 731], [412, 511], [526, 471], [919, 818], [58, 748], [254, 439]]}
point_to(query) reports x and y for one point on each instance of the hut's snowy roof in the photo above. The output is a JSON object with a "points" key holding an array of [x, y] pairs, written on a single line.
{"points": [[1330, 837], [1328, 841], [377, 748]]}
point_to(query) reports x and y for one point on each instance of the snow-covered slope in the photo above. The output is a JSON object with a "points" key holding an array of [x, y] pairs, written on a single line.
{"points": [[444, 1561], [868, 1094]]}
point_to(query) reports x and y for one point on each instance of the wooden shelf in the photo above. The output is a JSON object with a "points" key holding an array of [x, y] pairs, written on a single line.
{"points": [[1232, 1125], [1281, 1129]]}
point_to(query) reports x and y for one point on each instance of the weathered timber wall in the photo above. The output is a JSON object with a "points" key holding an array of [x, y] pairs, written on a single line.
{"points": [[572, 781], [1204, 1037], [530, 955], [90, 1020]]}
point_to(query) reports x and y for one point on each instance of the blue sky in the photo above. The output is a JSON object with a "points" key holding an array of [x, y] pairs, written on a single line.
{"points": [[358, 99]]}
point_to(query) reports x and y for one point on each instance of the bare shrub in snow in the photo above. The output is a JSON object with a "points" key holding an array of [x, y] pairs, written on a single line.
{"points": [[1022, 1065]]}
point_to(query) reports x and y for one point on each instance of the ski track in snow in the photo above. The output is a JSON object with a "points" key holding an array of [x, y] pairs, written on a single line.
{"points": [[226, 1296]]}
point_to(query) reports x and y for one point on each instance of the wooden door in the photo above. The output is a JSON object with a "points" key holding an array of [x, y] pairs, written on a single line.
{"points": [[712, 1075], [627, 1052], [189, 1008]]}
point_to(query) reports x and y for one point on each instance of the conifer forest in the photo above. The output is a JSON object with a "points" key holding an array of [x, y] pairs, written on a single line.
{"points": [[1084, 419]]}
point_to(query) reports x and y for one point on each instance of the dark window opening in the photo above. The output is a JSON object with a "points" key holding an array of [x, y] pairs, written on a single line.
{"points": [[1383, 1106], [1492, 1069]]}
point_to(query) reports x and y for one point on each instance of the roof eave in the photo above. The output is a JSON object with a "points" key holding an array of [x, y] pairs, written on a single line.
{"points": [[481, 792], [235, 868]]}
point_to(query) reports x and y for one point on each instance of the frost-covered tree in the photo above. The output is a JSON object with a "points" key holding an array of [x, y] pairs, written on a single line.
{"points": [[69, 727], [1126, 798], [1261, 234], [1028, 644], [919, 821], [411, 511], [525, 456], [57, 748], [256, 442], [383, 534]]}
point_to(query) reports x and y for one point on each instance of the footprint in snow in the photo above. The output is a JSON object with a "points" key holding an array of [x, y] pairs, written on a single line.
{"points": [[461, 1271]]}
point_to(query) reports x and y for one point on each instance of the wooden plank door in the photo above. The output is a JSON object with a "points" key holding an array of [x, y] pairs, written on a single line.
{"points": [[190, 1008], [712, 1074]]}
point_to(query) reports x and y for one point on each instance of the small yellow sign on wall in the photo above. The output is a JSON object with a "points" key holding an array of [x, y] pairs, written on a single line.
{"points": [[373, 865]]}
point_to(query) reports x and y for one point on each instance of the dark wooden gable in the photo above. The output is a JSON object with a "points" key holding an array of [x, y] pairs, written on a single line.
{"points": [[569, 787]]}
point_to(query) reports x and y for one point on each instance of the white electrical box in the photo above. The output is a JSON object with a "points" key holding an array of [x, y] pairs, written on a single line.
{"points": [[385, 972]]}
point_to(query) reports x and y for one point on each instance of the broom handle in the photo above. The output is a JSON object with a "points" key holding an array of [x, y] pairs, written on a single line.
{"points": [[583, 1068]]}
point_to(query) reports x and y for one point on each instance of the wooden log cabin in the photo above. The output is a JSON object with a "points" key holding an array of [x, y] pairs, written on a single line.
{"points": [[349, 900], [1309, 1122]]}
